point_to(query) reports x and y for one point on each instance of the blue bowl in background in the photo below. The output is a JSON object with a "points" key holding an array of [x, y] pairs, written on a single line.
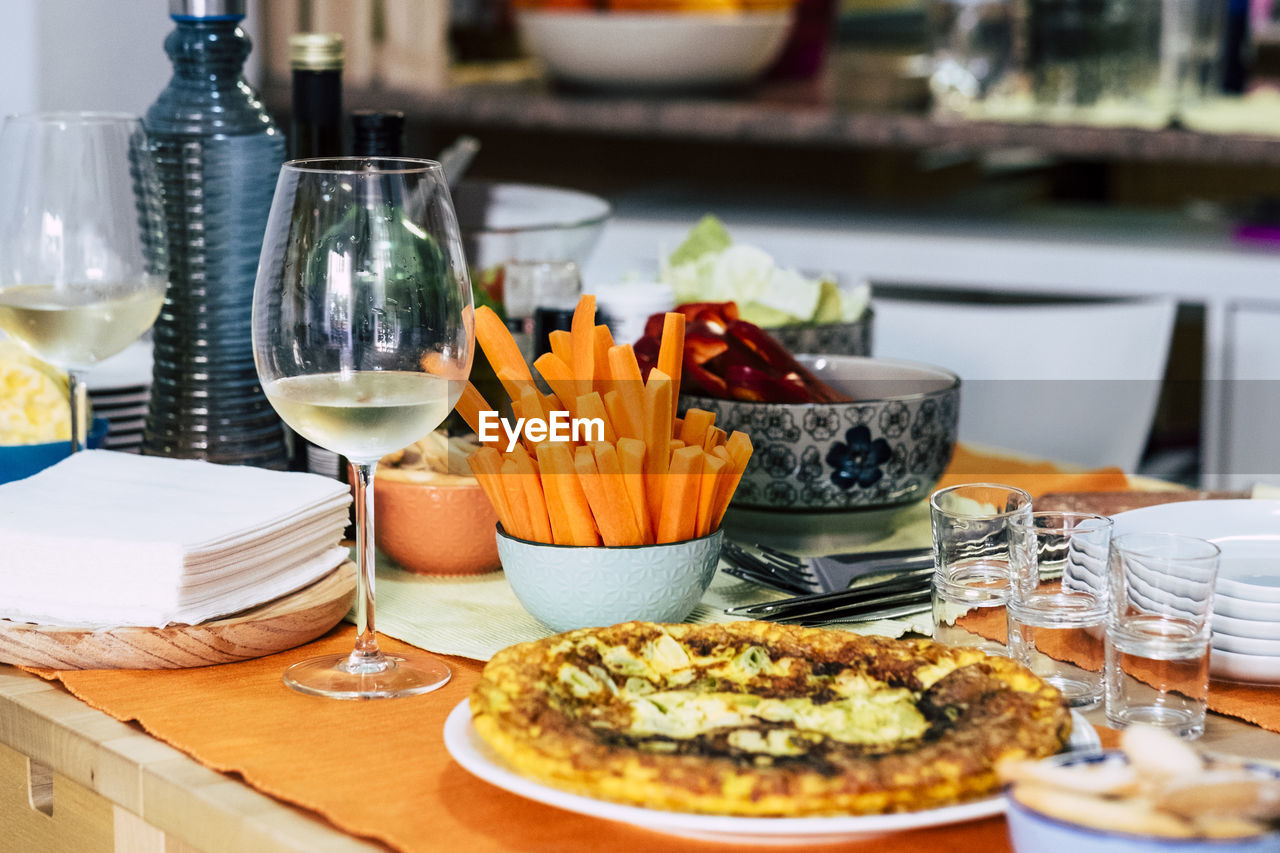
{"points": [[18, 461], [1032, 831]]}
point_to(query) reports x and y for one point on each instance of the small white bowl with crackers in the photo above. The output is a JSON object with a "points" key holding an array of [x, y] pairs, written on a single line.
{"points": [[1154, 795]]}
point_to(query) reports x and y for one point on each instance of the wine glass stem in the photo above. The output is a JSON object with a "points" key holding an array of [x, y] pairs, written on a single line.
{"points": [[366, 641], [79, 411]]}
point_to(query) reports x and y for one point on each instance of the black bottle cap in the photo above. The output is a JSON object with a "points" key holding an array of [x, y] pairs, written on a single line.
{"points": [[377, 133]]}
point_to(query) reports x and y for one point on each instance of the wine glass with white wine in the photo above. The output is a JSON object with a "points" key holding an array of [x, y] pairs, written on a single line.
{"points": [[363, 334], [82, 244]]}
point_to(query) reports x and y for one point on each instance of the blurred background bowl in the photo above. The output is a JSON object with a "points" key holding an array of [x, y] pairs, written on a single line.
{"points": [[828, 338], [18, 461], [503, 222], [654, 50], [435, 529], [1032, 831], [888, 447], [567, 587]]}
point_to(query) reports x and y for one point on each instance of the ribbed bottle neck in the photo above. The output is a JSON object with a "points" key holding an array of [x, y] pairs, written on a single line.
{"points": [[208, 93], [213, 50]]}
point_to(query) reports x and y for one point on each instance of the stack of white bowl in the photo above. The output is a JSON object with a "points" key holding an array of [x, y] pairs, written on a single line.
{"points": [[120, 390], [1246, 601], [1246, 621]]}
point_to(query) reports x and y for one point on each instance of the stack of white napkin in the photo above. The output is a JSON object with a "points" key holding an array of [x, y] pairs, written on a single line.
{"points": [[106, 539]]}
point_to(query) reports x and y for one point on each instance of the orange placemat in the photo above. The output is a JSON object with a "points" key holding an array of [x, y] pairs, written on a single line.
{"points": [[969, 465], [1256, 704], [379, 769]]}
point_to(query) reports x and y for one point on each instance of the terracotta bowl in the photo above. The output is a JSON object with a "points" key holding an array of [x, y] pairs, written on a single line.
{"points": [[435, 529]]}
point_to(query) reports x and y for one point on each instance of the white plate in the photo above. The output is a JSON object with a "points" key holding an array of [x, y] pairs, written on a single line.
{"points": [[120, 426], [1243, 627], [1239, 608], [1265, 647], [1247, 531], [114, 404], [469, 750], [117, 401], [1258, 669]]}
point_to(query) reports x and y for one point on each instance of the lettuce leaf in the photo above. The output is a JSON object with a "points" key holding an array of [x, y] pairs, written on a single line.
{"points": [[708, 236]]}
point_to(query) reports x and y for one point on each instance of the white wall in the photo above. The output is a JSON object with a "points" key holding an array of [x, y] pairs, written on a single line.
{"points": [[88, 54]]}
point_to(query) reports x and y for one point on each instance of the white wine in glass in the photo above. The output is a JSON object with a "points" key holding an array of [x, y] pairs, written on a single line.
{"points": [[82, 255], [363, 335]]}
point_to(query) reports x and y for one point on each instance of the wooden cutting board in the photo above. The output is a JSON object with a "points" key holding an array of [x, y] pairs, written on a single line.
{"points": [[284, 623]]}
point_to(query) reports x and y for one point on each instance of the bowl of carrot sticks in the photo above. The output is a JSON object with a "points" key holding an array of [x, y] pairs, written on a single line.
{"points": [[592, 468]]}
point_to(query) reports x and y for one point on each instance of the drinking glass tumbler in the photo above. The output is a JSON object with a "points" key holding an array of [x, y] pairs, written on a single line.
{"points": [[1158, 630], [971, 526], [1058, 595]]}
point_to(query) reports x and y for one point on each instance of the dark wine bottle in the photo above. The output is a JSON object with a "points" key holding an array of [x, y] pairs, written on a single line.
{"points": [[315, 130], [377, 133]]}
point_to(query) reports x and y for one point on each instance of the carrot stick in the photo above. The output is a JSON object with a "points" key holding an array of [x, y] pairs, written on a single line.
{"points": [[679, 518], [693, 430], [738, 449], [615, 492], [514, 382], [530, 407], [616, 523], [715, 438], [619, 415], [675, 444], [602, 342], [560, 377], [671, 351], [628, 383], [656, 431], [577, 525], [584, 465], [499, 347], [562, 345], [516, 501], [583, 332], [470, 405], [708, 487], [592, 406], [486, 464], [527, 473], [631, 453]]}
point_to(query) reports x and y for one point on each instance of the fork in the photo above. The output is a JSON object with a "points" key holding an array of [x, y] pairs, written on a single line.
{"points": [[789, 573], [900, 596]]}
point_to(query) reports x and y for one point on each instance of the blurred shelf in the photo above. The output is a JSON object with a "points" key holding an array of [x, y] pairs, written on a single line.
{"points": [[789, 115]]}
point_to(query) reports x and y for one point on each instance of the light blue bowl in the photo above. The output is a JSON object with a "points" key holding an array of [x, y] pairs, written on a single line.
{"points": [[566, 587], [18, 461], [1034, 832]]}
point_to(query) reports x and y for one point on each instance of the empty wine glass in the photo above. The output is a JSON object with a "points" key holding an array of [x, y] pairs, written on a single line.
{"points": [[363, 335], [82, 252]]}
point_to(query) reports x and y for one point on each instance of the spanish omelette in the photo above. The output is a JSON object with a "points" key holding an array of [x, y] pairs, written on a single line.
{"points": [[755, 718]]}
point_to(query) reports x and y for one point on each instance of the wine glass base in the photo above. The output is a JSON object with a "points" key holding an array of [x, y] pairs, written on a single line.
{"points": [[383, 677]]}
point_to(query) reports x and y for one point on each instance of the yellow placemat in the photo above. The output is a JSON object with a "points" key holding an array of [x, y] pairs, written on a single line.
{"points": [[475, 616]]}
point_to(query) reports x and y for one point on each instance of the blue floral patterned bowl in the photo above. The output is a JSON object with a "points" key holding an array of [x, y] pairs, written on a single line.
{"points": [[566, 587], [889, 446]]}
